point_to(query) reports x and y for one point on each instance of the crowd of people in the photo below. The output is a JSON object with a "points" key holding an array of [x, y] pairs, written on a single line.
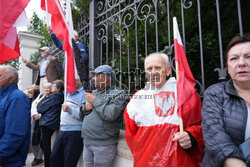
{"points": [[90, 122]]}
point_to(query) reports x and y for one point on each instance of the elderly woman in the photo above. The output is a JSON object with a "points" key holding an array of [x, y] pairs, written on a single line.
{"points": [[50, 119], [226, 110], [36, 133]]}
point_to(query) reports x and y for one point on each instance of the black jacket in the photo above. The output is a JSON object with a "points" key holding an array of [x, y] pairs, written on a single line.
{"points": [[51, 110], [224, 118]]}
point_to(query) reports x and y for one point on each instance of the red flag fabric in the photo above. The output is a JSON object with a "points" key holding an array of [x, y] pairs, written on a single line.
{"points": [[70, 70], [11, 11], [10, 47], [57, 22], [189, 104]]}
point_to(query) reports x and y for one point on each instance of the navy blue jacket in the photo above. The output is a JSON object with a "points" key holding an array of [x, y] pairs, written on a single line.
{"points": [[51, 110], [80, 46], [14, 126]]}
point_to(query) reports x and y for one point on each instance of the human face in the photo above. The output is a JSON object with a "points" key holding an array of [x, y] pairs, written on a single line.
{"points": [[76, 37], [101, 81], [45, 53], [157, 71], [47, 90], [238, 63], [4, 81], [54, 88]]}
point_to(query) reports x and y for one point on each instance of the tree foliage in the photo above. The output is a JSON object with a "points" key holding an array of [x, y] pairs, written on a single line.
{"points": [[79, 7], [14, 63], [210, 39], [39, 27]]}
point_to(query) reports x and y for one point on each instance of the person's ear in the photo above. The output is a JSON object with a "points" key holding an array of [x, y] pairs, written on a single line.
{"points": [[168, 70], [11, 80]]}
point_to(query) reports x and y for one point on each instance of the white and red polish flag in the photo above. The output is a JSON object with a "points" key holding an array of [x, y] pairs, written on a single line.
{"points": [[63, 28], [189, 104], [56, 19], [12, 15], [152, 120], [70, 70]]}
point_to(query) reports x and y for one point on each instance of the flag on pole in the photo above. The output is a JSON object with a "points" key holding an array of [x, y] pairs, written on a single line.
{"points": [[70, 70], [12, 15], [189, 104], [63, 26], [57, 22]]}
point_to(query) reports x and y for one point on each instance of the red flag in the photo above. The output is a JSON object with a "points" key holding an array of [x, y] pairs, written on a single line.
{"points": [[11, 10], [54, 7], [10, 47], [57, 22], [189, 104], [70, 70]]}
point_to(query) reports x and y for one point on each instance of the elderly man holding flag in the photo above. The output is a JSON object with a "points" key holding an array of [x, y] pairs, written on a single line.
{"points": [[153, 114]]}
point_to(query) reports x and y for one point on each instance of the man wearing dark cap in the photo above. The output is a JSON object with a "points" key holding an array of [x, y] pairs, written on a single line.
{"points": [[101, 127], [49, 68]]}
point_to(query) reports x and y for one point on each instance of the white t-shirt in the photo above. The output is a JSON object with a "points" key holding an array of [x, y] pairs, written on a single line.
{"points": [[247, 134]]}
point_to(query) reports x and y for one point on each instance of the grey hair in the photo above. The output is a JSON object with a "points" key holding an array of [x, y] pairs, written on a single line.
{"points": [[48, 85], [75, 33], [163, 55], [59, 85], [10, 71]]}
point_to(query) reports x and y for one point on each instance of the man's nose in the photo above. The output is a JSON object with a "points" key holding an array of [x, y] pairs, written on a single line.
{"points": [[153, 71], [242, 61]]}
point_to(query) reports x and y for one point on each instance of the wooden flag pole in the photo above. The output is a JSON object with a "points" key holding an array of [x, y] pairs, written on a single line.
{"points": [[177, 78]]}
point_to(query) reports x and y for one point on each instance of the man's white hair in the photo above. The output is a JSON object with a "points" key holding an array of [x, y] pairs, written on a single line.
{"points": [[163, 55], [10, 71], [75, 33]]}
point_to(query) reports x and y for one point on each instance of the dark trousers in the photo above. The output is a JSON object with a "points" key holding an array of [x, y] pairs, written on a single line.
{"points": [[46, 144], [67, 149]]}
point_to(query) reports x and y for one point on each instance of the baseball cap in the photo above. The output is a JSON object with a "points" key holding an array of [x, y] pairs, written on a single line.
{"points": [[103, 69], [45, 48]]}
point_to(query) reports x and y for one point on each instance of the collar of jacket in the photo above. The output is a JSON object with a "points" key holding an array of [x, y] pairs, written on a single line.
{"points": [[76, 91], [230, 89], [57, 94], [8, 88]]}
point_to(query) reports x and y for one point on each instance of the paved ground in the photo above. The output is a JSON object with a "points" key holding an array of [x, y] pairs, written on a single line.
{"points": [[30, 159]]}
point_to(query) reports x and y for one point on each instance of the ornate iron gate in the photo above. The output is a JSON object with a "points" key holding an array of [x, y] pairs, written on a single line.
{"points": [[122, 32]]}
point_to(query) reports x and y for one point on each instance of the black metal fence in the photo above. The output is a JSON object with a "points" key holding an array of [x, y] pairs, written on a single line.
{"points": [[122, 33]]}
